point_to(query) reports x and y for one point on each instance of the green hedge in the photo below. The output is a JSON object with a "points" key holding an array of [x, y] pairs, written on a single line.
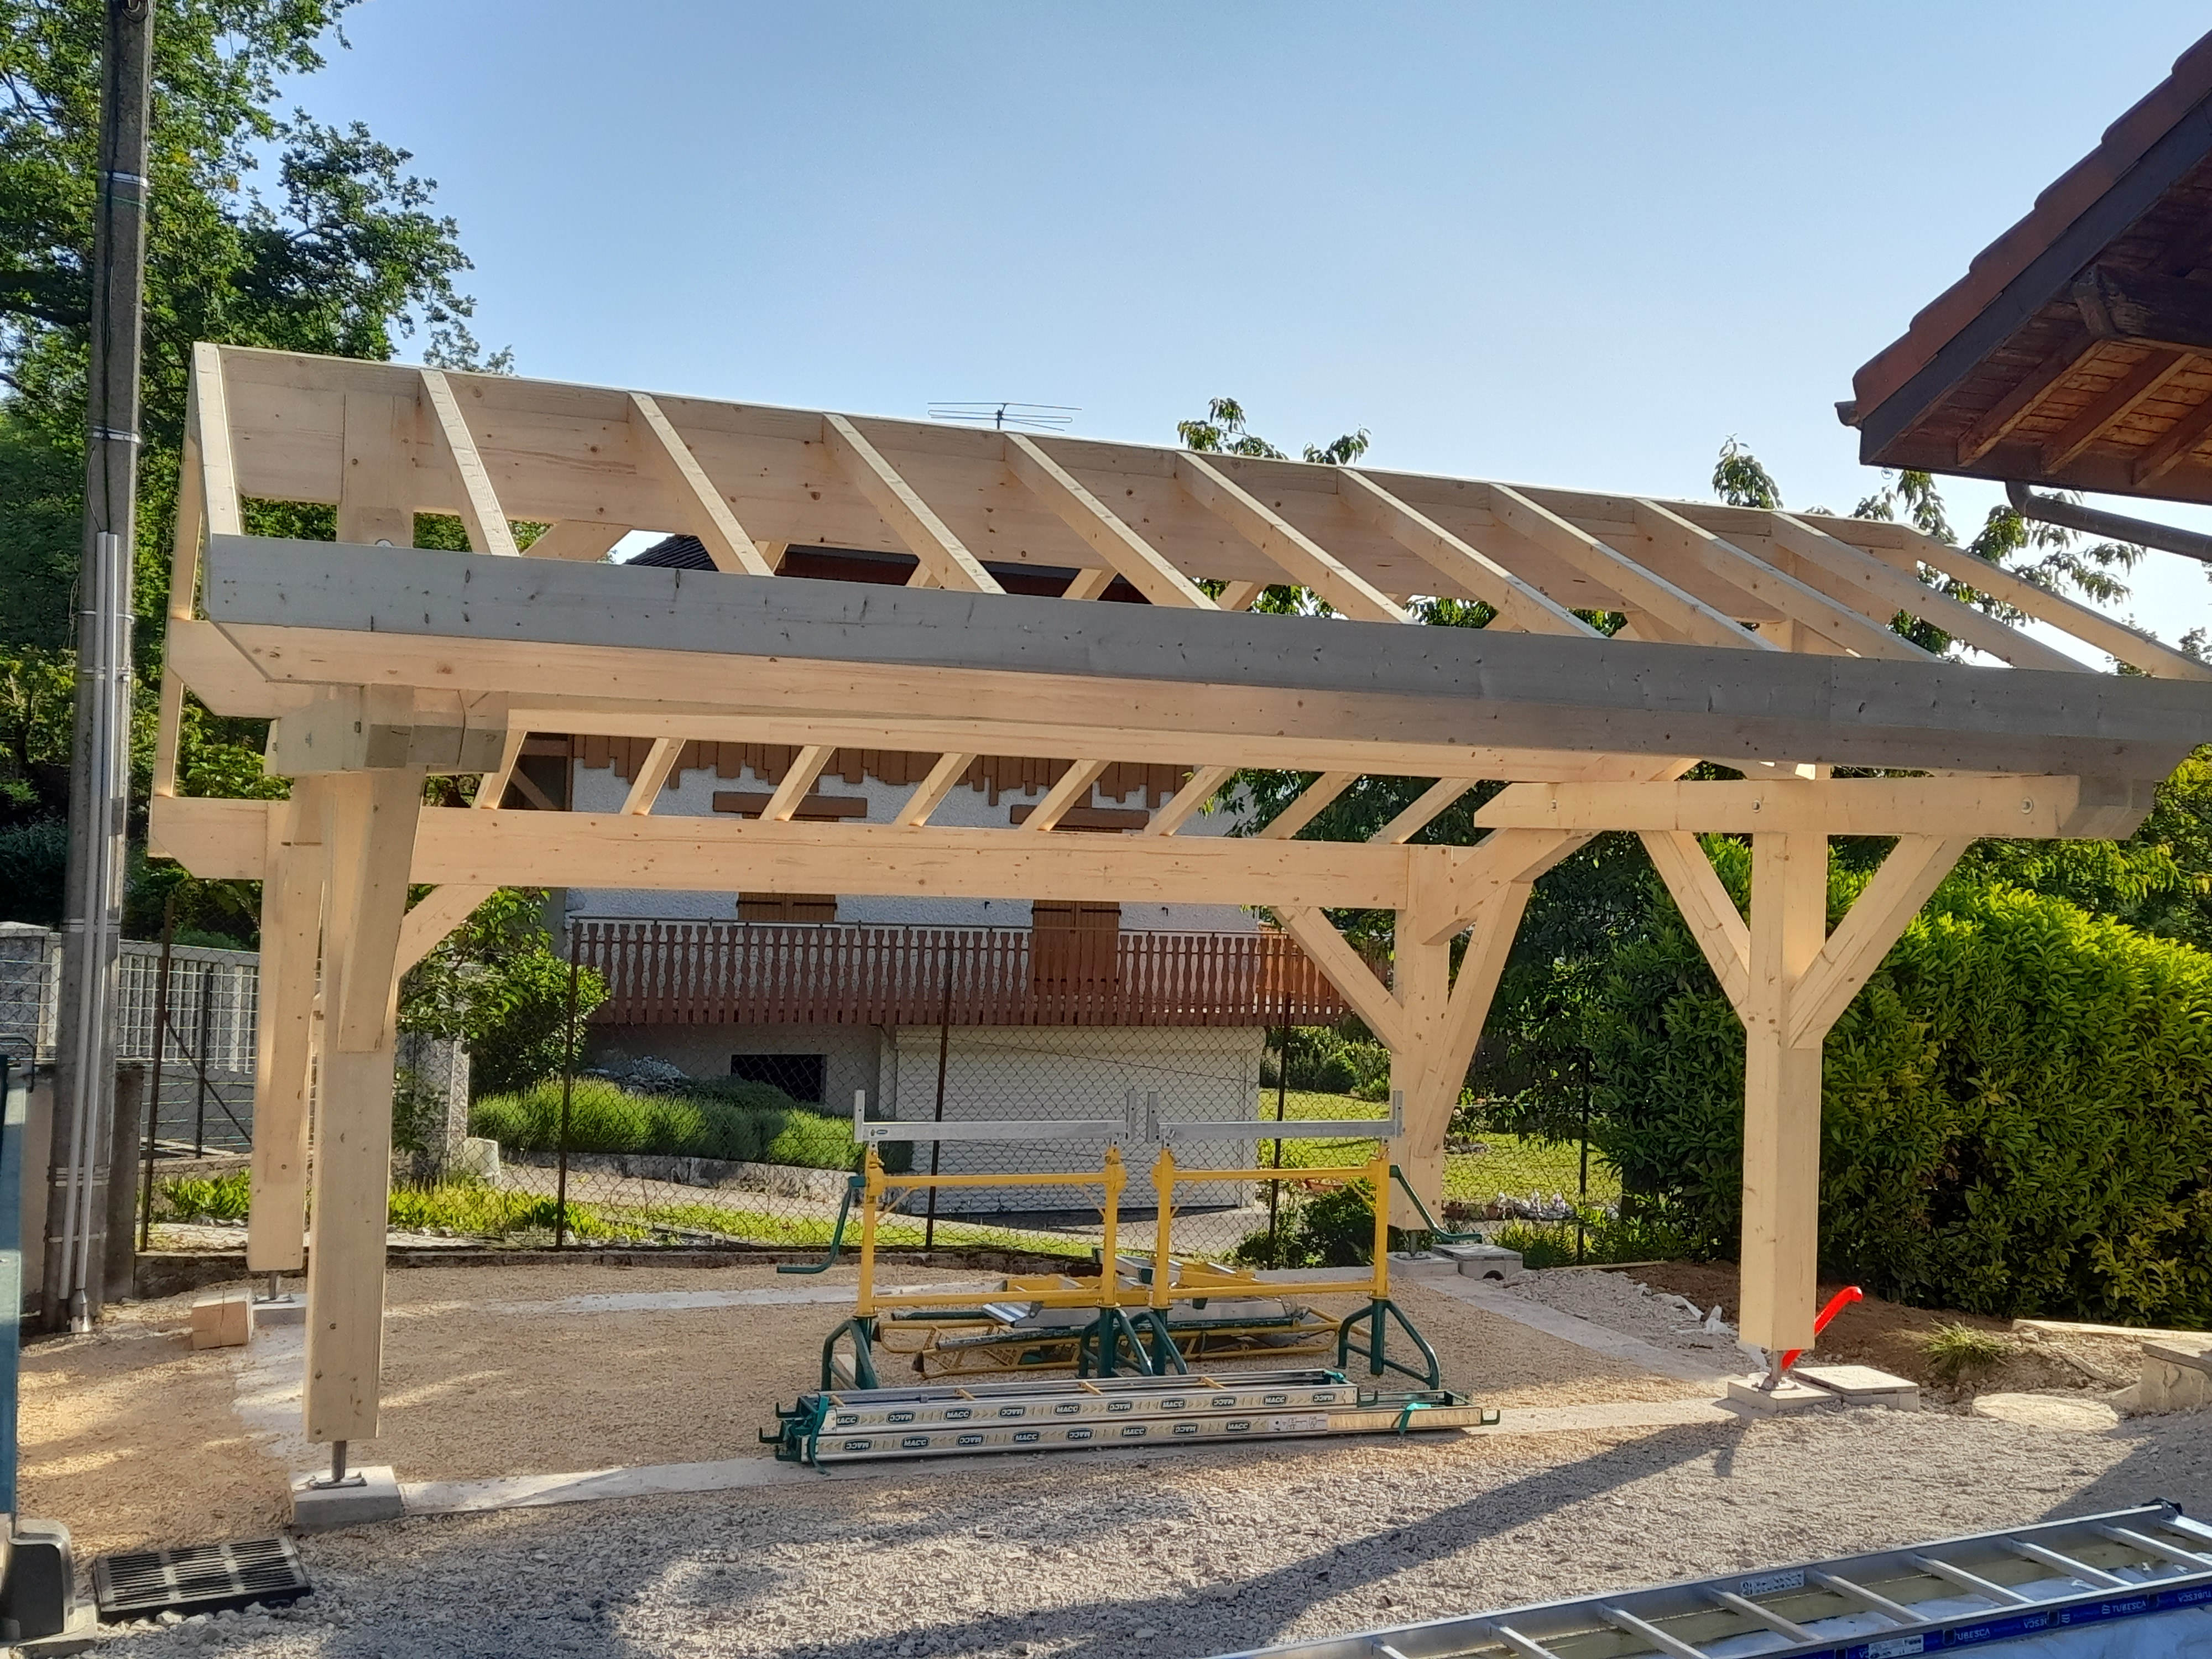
{"points": [[749, 1123], [2017, 1113]]}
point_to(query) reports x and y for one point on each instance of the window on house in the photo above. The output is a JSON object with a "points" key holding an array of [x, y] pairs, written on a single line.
{"points": [[800, 1076], [787, 907], [1075, 945]]}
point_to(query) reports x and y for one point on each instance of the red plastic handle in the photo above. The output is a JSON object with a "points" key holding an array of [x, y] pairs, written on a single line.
{"points": [[1841, 1300]]}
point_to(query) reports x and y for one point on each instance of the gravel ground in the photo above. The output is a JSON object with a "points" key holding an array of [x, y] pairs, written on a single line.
{"points": [[1621, 1304], [1195, 1554]]}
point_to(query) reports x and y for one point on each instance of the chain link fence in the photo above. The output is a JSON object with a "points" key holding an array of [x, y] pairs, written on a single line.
{"points": [[186, 1016], [709, 1132]]}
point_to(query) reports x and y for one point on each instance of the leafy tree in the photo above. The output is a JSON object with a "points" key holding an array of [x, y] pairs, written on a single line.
{"points": [[264, 228], [494, 984]]}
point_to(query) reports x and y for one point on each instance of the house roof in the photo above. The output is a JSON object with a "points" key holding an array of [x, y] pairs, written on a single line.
{"points": [[2076, 351]]}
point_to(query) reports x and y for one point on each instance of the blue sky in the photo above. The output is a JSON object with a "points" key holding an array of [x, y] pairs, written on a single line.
{"points": [[1567, 244]]}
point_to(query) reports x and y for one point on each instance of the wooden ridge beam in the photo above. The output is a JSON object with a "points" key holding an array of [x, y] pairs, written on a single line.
{"points": [[2054, 807], [1122, 548], [480, 509], [943, 554], [1304, 560], [1521, 604], [718, 529]]}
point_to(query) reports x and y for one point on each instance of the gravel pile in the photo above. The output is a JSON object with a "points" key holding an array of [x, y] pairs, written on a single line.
{"points": [[1094, 1558], [1619, 1303]]}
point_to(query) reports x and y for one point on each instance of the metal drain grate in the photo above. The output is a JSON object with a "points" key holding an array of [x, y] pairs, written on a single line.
{"points": [[204, 1578]]}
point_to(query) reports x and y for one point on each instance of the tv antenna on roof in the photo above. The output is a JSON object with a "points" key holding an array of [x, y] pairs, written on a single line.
{"points": [[1045, 418]]}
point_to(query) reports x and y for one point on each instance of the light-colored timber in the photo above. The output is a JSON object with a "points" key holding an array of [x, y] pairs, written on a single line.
{"points": [[1759, 640]]}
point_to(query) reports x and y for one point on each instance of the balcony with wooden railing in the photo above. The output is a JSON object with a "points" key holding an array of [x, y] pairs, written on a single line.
{"points": [[661, 973]]}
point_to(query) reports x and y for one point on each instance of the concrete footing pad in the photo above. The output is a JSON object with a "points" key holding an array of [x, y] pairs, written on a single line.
{"points": [[284, 1310], [322, 1509], [1791, 1397], [1862, 1385]]}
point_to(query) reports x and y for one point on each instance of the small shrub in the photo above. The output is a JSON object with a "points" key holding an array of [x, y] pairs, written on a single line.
{"points": [[1334, 1228], [1956, 1352], [1605, 1238], [760, 1126], [204, 1198]]}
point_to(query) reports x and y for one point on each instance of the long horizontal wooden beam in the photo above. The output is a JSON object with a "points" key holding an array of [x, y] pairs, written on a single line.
{"points": [[2034, 807], [569, 454], [511, 846], [318, 612]]}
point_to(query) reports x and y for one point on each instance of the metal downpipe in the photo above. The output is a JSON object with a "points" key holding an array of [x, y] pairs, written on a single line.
{"points": [[2114, 526]]}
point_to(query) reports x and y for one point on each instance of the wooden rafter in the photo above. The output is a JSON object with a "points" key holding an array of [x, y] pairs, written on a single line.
{"points": [[1072, 790], [651, 777], [1122, 548], [1681, 613], [2017, 404], [1416, 815], [1305, 561], [929, 794], [1522, 605], [1198, 788], [717, 527], [943, 554], [480, 509], [805, 767], [1306, 805], [2134, 389]]}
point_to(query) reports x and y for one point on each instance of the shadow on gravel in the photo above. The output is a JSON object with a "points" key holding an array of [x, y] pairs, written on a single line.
{"points": [[1251, 1612], [2167, 1457]]}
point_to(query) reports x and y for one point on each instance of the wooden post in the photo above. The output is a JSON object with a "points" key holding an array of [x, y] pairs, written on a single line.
{"points": [[283, 1057], [1782, 1095], [1421, 979], [371, 842], [1789, 979]]}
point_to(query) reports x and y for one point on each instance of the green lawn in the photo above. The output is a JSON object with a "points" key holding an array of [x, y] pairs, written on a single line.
{"points": [[1518, 1164]]}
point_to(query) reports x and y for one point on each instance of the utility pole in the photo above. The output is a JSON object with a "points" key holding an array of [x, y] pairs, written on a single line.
{"points": [[99, 767]]}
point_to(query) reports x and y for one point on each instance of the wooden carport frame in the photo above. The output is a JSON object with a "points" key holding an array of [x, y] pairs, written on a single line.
{"points": [[1759, 640]]}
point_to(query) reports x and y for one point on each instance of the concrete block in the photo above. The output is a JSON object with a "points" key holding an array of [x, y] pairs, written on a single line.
{"points": [[224, 1321], [325, 1509], [2171, 1386], [288, 1310], [1791, 1397], [1862, 1385], [1491, 1261], [475, 1156], [2190, 1353]]}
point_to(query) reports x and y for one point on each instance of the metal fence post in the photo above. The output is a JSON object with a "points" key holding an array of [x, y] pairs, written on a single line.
{"points": [[154, 1085], [943, 1046], [567, 1096]]}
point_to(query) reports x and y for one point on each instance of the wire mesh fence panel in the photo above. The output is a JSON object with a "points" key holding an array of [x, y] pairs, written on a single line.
{"points": [[30, 990], [190, 1020], [715, 1102]]}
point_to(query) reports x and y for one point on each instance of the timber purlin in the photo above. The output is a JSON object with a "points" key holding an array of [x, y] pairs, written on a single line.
{"points": [[662, 973]]}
